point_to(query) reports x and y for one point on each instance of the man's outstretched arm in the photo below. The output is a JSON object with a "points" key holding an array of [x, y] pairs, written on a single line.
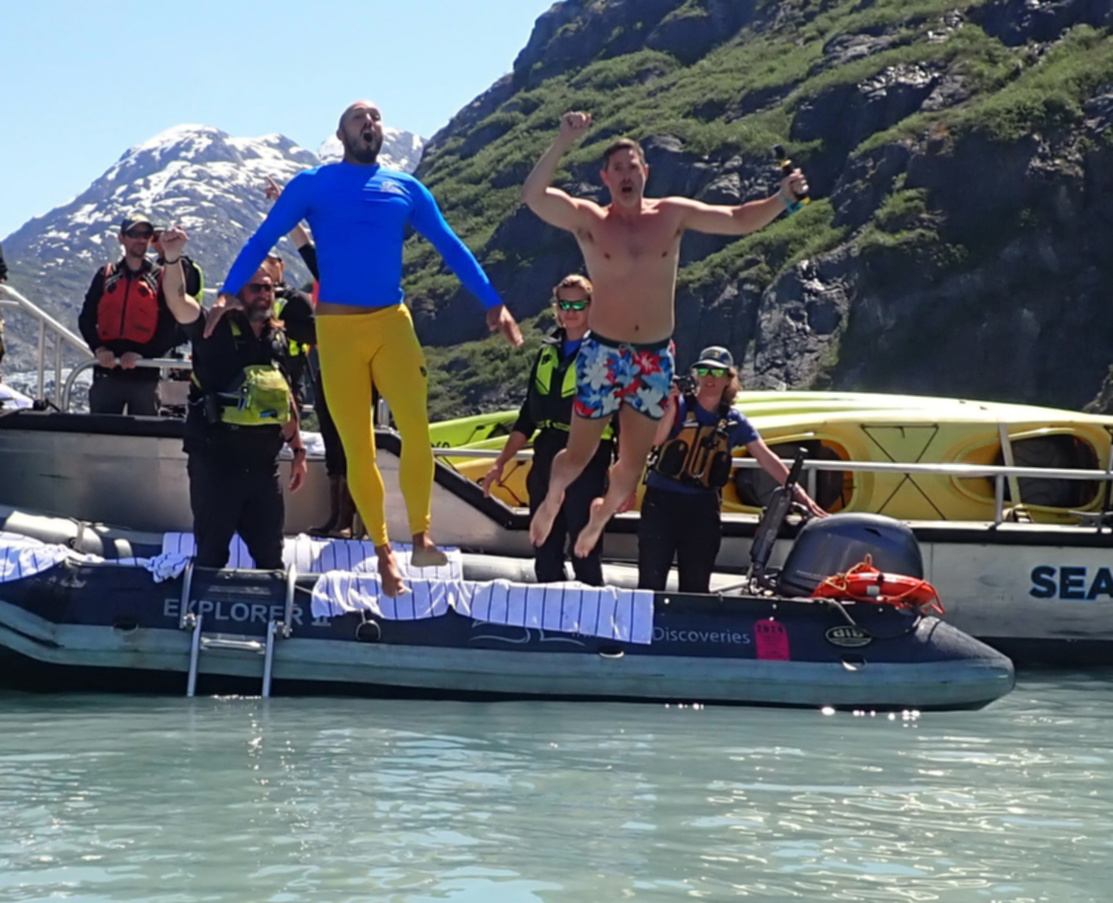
{"points": [[427, 218], [742, 219], [554, 206]]}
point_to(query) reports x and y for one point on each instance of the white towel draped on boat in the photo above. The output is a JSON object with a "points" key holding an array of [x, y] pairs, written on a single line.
{"points": [[21, 556], [618, 614], [340, 592], [604, 611], [317, 556]]}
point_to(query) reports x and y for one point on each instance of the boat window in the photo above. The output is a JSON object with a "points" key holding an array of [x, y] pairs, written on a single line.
{"points": [[833, 488], [1058, 452]]}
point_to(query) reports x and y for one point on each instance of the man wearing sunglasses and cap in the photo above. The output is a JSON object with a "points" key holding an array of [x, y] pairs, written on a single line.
{"points": [[241, 410], [680, 513], [125, 318], [547, 411]]}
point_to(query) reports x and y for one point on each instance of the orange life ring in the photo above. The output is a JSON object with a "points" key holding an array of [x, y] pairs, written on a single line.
{"points": [[865, 583]]}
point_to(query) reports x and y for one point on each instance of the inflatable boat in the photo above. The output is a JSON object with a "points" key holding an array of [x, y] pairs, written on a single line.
{"points": [[83, 606]]}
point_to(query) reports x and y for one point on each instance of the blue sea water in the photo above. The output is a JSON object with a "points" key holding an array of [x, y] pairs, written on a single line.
{"points": [[121, 798]]}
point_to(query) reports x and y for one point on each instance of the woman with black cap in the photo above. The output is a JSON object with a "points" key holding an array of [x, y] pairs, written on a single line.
{"points": [[680, 513]]}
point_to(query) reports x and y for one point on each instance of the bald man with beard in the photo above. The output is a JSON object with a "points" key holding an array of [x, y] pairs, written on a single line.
{"points": [[358, 212]]}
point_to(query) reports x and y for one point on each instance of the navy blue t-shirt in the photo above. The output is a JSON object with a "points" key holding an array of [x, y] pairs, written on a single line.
{"points": [[740, 432]]}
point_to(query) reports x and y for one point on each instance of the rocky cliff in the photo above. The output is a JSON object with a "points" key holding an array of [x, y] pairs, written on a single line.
{"points": [[959, 156]]}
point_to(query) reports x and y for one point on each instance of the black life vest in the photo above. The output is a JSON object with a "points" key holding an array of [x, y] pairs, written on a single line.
{"points": [[128, 305], [697, 455]]}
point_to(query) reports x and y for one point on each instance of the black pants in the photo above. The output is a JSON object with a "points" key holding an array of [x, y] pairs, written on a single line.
{"points": [[683, 524], [231, 496], [548, 562], [336, 463], [114, 390]]}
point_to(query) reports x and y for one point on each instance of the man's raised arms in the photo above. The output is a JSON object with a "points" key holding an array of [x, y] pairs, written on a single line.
{"points": [[554, 206], [719, 219]]}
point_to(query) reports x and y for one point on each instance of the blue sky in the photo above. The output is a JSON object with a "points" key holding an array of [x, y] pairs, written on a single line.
{"points": [[81, 82]]}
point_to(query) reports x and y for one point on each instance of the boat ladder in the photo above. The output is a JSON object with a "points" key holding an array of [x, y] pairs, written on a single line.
{"points": [[202, 641]]}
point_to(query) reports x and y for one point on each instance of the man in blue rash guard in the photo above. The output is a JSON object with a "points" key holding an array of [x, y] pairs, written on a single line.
{"points": [[358, 213]]}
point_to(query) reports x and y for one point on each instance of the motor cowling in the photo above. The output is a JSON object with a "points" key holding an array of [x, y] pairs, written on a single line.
{"points": [[833, 545]]}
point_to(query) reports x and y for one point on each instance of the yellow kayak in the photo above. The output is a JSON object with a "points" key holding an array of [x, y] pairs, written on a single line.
{"points": [[887, 428]]}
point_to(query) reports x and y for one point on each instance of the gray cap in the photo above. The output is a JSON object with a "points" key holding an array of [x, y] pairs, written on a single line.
{"points": [[715, 356]]}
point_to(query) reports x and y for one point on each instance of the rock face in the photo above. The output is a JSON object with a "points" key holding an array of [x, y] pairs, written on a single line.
{"points": [[959, 240], [198, 176]]}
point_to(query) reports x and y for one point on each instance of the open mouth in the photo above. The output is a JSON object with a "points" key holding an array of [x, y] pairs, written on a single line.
{"points": [[368, 135]]}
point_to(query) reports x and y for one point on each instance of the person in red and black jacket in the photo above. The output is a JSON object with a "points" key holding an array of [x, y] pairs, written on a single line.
{"points": [[125, 318]]}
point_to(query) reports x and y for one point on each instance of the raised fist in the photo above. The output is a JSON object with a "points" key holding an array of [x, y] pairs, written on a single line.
{"points": [[173, 240], [575, 124]]}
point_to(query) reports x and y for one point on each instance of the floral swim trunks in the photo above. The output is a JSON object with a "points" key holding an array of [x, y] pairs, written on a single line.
{"points": [[610, 374]]}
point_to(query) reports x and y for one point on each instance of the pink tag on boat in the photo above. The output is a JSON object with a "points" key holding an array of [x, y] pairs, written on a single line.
{"points": [[771, 639]]}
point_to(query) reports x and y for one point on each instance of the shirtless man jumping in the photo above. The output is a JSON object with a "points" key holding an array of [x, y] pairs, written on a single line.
{"points": [[631, 248]]}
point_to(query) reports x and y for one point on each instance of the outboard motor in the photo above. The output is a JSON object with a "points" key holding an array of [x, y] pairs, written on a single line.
{"points": [[835, 544]]}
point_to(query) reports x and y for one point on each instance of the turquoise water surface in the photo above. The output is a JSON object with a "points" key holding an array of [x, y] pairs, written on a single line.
{"points": [[117, 798]]}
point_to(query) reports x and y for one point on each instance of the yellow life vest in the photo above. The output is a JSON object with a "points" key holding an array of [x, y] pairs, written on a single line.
{"points": [[548, 363], [260, 396], [697, 455]]}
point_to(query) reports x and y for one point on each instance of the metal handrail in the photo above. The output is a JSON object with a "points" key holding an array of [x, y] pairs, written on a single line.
{"points": [[160, 363], [961, 470], [998, 473], [9, 297]]}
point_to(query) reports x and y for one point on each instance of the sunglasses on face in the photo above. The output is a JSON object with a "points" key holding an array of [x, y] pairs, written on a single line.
{"points": [[139, 233], [572, 305], [717, 372], [260, 287]]}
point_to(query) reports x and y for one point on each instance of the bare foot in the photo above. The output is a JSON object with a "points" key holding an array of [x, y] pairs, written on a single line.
{"points": [[425, 553], [590, 534], [543, 517], [389, 575]]}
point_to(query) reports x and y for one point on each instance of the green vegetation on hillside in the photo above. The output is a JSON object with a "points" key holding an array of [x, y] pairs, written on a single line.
{"points": [[742, 97]]}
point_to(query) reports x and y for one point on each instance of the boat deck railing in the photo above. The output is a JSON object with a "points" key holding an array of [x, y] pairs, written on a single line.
{"points": [[163, 364], [1003, 476], [51, 333], [55, 339]]}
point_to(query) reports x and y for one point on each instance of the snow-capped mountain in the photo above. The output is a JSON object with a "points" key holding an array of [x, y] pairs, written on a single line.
{"points": [[401, 150], [195, 175]]}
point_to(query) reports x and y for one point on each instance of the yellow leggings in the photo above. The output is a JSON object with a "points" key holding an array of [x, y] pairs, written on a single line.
{"points": [[379, 348]]}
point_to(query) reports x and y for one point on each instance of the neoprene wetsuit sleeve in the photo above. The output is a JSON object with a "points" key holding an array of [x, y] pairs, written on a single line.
{"points": [[525, 424], [287, 212], [298, 317], [309, 257], [87, 319], [428, 220]]}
